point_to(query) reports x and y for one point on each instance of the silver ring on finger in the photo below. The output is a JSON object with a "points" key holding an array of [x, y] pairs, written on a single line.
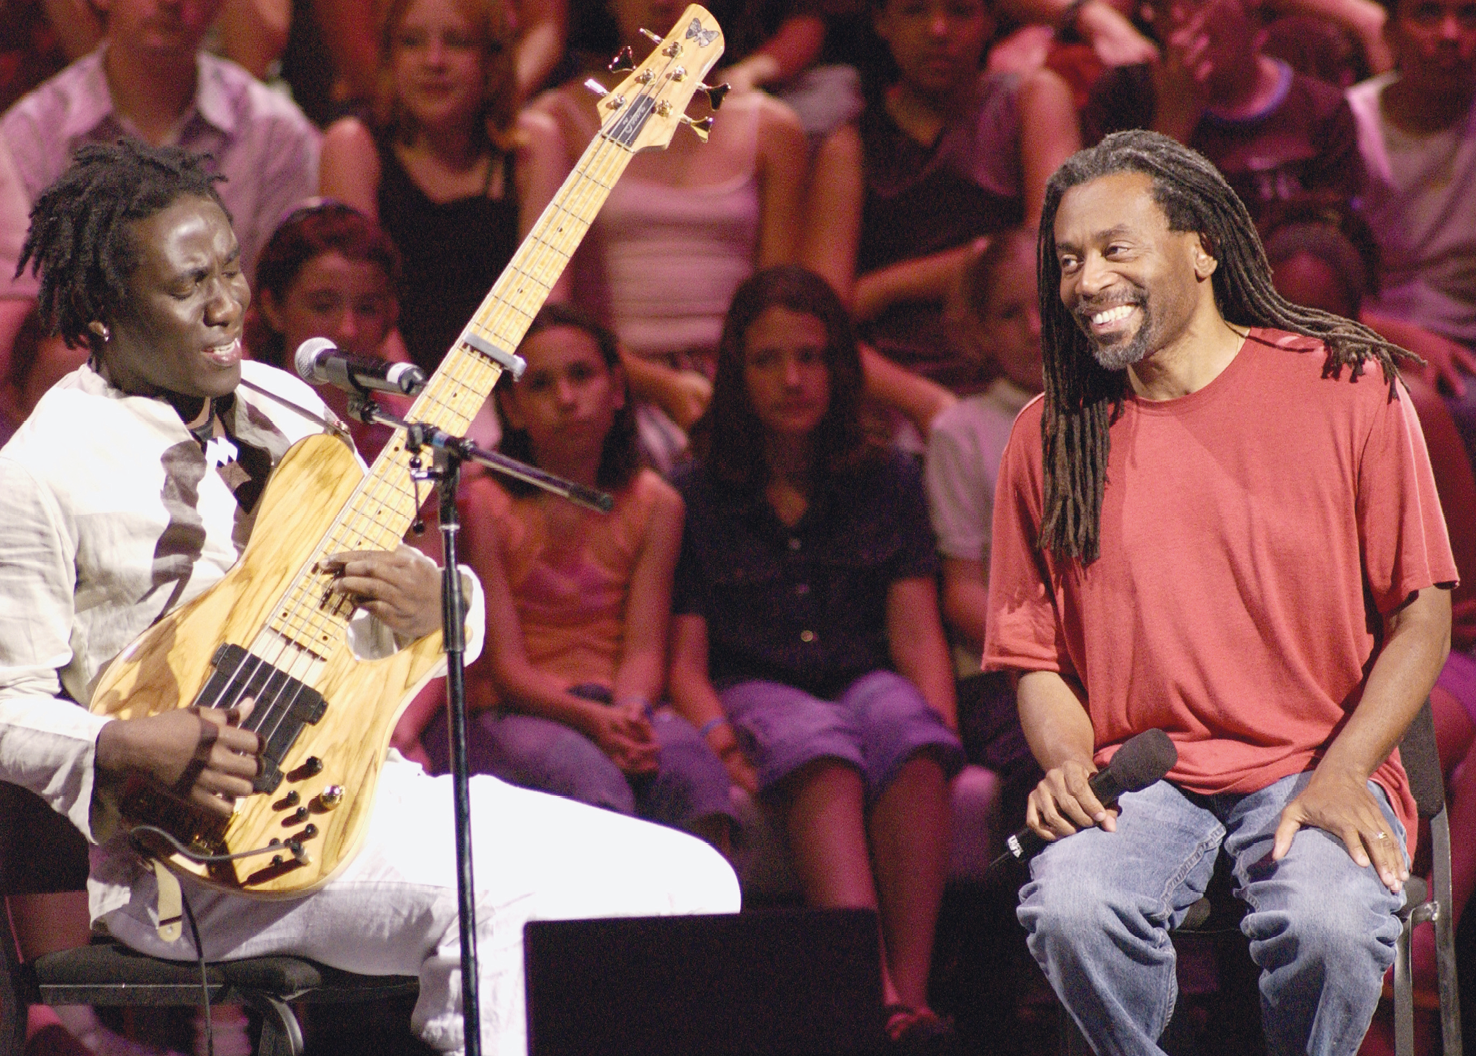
{"points": [[1382, 836]]}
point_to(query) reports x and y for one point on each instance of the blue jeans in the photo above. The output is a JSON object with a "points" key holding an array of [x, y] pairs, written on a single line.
{"points": [[1099, 907], [690, 784]]}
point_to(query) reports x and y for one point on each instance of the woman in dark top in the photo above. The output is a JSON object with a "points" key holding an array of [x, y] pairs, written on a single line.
{"points": [[451, 171], [807, 645]]}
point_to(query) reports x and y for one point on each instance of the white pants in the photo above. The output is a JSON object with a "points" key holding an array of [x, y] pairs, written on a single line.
{"points": [[392, 911]]}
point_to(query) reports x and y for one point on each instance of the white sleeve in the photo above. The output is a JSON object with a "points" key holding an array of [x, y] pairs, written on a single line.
{"points": [[959, 499], [47, 743]]}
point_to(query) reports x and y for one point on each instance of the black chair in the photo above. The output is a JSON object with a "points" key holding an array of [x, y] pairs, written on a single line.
{"points": [[1219, 912], [40, 853]]}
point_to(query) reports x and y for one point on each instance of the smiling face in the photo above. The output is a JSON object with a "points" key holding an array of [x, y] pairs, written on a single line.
{"points": [[350, 302], [1132, 285], [785, 372], [179, 330], [438, 60], [567, 398]]}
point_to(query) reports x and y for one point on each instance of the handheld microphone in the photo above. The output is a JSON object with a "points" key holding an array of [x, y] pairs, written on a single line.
{"points": [[1138, 763], [320, 362]]}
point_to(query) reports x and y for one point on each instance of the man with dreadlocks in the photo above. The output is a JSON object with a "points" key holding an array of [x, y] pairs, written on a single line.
{"points": [[1220, 521], [130, 490]]}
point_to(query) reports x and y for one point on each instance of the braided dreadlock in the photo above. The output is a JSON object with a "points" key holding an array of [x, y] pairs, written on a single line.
{"points": [[79, 242], [1082, 398]]}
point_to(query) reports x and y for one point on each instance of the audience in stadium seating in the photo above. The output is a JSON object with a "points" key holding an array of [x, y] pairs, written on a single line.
{"points": [[997, 318], [329, 271], [1277, 135], [567, 697], [451, 169], [683, 226], [947, 155], [807, 645]]}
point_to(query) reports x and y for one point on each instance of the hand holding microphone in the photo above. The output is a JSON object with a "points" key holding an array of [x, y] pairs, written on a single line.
{"points": [[318, 362], [1137, 764]]}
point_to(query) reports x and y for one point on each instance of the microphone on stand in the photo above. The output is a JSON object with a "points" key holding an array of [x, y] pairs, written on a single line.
{"points": [[319, 362], [1137, 764]]}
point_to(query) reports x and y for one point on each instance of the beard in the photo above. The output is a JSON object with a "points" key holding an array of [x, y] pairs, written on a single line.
{"points": [[1123, 352]]}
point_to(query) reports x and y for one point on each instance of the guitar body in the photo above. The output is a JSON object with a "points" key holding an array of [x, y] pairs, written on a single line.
{"points": [[272, 630], [169, 665]]}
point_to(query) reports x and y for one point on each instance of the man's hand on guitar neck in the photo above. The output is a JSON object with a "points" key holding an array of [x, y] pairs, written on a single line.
{"points": [[401, 588], [199, 753]]}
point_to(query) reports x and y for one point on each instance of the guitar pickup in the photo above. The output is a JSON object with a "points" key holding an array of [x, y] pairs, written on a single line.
{"points": [[284, 705]]}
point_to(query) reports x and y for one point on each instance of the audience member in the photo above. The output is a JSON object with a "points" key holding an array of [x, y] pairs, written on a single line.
{"points": [[997, 316], [1417, 135], [807, 645], [151, 80], [452, 171], [1275, 134], [567, 698], [946, 156], [685, 225], [329, 271]]}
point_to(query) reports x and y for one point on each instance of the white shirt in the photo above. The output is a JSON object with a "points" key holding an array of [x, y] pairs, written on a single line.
{"points": [[1419, 197], [109, 522]]}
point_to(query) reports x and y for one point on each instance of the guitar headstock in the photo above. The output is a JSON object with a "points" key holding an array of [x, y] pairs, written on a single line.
{"points": [[644, 110]]}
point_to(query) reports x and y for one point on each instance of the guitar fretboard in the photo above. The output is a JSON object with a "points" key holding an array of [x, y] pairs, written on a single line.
{"points": [[381, 509]]}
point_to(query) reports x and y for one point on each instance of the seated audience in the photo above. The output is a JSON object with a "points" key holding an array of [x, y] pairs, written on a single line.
{"points": [[807, 645], [1417, 135], [451, 170], [998, 318], [152, 81], [329, 271], [567, 697], [683, 226], [1275, 134], [947, 155]]}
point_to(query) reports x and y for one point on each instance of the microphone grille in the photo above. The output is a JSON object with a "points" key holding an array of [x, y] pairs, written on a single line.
{"points": [[306, 360], [1143, 760]]}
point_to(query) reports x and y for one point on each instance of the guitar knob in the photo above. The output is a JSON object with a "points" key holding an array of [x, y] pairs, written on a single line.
{"points": [[330, 797], [299, 815], [699, 128], [312, 766], [308, 831], [716, 93]]}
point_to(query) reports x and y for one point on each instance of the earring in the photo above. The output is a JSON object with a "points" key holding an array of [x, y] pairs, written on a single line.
{"points": [[101, 330]]}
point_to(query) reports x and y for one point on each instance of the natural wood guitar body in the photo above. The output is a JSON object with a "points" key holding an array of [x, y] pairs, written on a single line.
{"points": [[167, 667], [272, 631]]}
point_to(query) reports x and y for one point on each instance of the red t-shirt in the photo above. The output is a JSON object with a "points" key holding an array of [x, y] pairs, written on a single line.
{"points": [[1252, 535]]}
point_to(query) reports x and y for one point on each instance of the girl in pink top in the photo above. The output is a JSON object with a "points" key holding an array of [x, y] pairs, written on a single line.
{"points": [[565, 697]]}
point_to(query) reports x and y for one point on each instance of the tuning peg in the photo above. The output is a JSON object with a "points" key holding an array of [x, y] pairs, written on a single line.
{"points": [[624, 60], [596, 87], [716, 93], [652, 37], [700, 128]]}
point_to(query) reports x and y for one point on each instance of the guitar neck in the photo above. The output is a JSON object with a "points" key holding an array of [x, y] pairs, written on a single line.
{"points": [[382, 508]]}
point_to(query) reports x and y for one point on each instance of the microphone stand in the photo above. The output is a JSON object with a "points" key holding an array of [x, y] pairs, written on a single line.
{"points": [[448, 453]]}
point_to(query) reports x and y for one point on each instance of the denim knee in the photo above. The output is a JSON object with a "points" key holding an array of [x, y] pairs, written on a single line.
{"points": [[548, 756]]}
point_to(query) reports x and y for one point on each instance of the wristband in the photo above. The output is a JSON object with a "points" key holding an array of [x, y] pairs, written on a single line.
{"points": [[712, 724]]}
